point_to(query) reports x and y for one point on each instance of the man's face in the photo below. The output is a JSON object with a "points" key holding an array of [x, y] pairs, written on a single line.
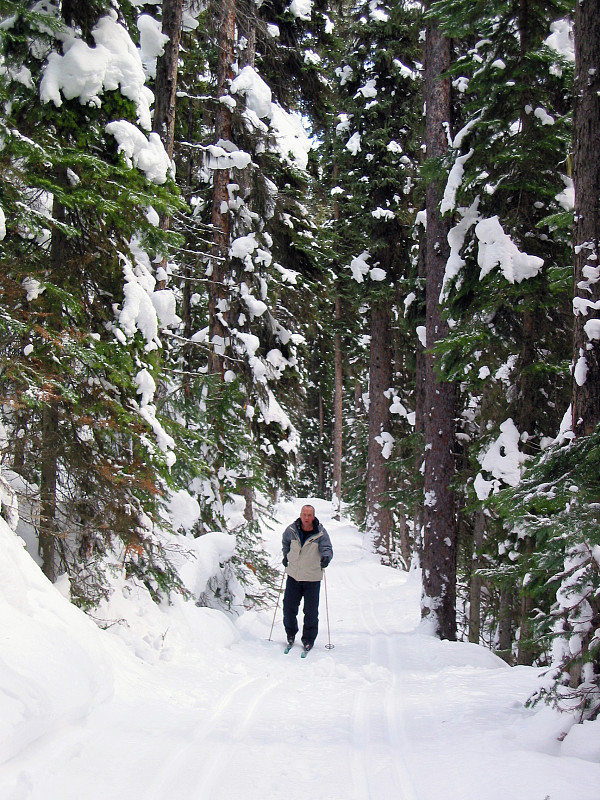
{"points": [[307, 516]]}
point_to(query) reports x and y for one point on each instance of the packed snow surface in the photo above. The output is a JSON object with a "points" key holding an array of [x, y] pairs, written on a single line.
{"points": [[184, 703]]}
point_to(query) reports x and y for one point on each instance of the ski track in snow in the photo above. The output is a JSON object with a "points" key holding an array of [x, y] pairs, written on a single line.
{"points": [[226, 726], [334, 714], [389, 713]]}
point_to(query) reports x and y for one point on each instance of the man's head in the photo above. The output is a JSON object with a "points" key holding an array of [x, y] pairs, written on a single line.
{"points": [[307, 515]]}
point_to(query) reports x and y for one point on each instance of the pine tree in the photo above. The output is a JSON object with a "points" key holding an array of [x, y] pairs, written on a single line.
{"points": [[506, 185], [557, 500], [78, 218], [371, 138]]}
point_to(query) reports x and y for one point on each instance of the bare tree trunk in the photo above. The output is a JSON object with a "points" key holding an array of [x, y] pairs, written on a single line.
{"points": [[218, 330], [420, 418], [527, 397], [337, 415], [48, 484], [189, 270], [439, 517], [359, 412], [526, 423], [50, 439], [586, 177], [505, 625], [246, 23], [378, 517], [246, 20], [248, 495], [405, 543], [320, 466], [165, 88], [476, 581]]}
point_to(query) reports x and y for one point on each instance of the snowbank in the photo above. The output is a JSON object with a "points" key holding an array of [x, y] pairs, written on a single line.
{"points": [[54, 666]]}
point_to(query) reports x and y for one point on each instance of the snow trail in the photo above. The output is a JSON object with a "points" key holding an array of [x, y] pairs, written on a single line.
{"points": [[389, 713]]}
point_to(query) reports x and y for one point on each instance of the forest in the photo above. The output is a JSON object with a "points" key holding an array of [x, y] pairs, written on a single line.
{"points": [[258, 249]]}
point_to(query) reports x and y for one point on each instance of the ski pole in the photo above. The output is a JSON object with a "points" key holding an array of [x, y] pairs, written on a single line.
{"points": [[277, 605], [328, 646]]}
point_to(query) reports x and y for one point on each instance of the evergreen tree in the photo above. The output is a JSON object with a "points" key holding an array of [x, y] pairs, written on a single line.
{"points": [[79, 351], [371, 138], [508, 342], [556, 503]]}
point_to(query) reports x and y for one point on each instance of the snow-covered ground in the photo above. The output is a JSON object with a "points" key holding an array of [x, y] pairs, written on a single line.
{"points": [[183, 704]]}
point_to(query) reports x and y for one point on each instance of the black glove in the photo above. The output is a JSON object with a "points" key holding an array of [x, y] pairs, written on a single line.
{"points": [[324, 561], [285, 561]]}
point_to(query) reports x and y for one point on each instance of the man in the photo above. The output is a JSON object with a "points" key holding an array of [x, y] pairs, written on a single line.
{"points": [[307, 551]]}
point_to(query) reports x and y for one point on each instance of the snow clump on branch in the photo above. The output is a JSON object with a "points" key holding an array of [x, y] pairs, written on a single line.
{"points": [[292, 140], [86, 72]]}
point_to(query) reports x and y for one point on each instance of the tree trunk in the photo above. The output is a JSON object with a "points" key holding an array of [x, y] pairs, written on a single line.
{"points": [[505, 625], [320, 466], [476, 582], [165, 88], [48, 481], [405, 542], [379, 518], [360, 414], [337, 415], [439, 517], [50, 444], [526, 423], [189, 271], [248, 494], [586, 177], [218, 329], [246, 36], [526, 651], [420, 418], [246, 21]]}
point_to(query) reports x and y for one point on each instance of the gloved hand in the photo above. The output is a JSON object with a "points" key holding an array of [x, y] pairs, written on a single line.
{"points": [[285, 561], [324, 561]]}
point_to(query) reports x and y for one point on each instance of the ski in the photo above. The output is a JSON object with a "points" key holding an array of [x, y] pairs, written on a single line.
{"points": [[288, 647], [305, 652]]}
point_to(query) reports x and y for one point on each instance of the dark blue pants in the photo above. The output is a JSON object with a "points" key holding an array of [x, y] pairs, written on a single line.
{"points": [[294, 592]]}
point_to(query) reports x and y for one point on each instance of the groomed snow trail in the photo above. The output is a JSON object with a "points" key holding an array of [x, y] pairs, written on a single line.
{"points": [[389, 713], [326, 726]]}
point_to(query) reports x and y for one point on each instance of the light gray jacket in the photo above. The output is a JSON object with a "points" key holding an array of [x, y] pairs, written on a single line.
{"points": [[304, 560]]}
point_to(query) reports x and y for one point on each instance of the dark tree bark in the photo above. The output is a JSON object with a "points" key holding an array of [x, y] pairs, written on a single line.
{"points": [[48, 483], [246, 21], [525, 420], [476, 580], [338, 387], [405, 542], [190, 269], [165, 89], [505, 625], [439, 516], [50, 439], [378, 517], [337, 415], [420, 416], [586, 177], [221, 222], [320, 461]]}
